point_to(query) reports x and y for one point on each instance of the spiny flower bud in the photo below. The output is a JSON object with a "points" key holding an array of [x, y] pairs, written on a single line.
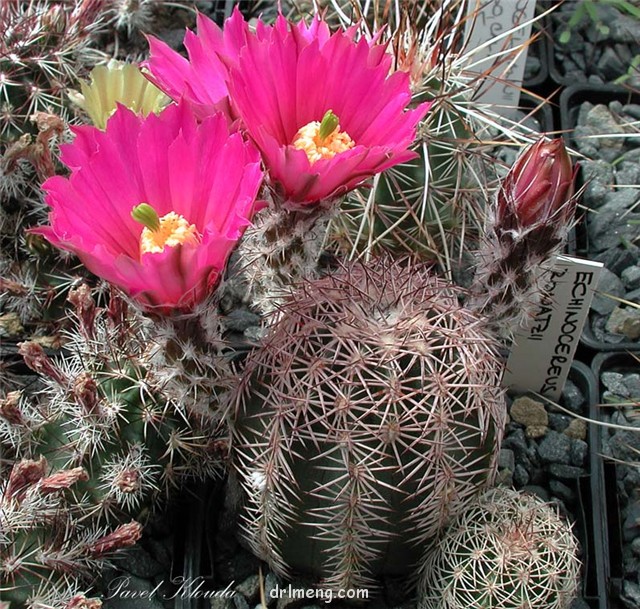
{"points": [[538, 187], [128, 481], [10, 408], [24, 474], [124, 536], [62, 480], [35, 357], [80, 601]]}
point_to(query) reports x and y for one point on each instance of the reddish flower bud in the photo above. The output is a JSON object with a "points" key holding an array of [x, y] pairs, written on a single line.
{"points": [[85, 307], [85, 390], [128, 481], [62, 479], [80, 601], [10, 409], [124, 536], [23, 475], [538, 187], [35, 357]]}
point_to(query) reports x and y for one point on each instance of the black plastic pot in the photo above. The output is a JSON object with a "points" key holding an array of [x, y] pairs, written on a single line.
{"points": [[570, 101], [555, 69], [193, 554], [611, 362], [539, 49], [590, 525]]}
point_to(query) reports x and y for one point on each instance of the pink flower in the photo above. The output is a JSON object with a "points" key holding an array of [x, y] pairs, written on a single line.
{"points": [[282, 82], [322, 108], [155, 205], [202, 79]]}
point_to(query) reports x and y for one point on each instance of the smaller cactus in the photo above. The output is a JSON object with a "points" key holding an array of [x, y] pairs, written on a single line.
{"points": [[508, 550], [116, 445]]}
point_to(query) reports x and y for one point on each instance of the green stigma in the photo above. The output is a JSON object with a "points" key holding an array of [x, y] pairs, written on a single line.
{"points": [[328, 125], [146, 215]]}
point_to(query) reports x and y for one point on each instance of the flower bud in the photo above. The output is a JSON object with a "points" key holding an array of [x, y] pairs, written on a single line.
{"points": [[24, 474], [10, 409], [63, 479], [124, 536], [35, 357], [537, 188]]}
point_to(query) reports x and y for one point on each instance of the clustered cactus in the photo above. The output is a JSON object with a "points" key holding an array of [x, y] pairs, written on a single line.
{"points": [[508, 550], [371, 413], [117, 442], [46, 544]]}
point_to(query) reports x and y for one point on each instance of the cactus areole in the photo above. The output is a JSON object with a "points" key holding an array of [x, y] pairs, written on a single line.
{"points": [[371, 414]]}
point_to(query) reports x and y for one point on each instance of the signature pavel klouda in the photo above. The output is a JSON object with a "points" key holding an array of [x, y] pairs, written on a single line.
{"points": [[120, 587]]}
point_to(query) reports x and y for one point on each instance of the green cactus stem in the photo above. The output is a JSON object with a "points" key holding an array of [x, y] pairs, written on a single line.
{"points": [[371, 413]]}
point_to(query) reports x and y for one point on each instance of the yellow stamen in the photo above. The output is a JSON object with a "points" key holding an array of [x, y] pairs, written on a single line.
{"points": [[323, 140], [172, 229]]}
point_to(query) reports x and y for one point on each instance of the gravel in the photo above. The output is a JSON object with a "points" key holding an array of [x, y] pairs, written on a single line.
{"points": [[598, 51], [613, 219]]}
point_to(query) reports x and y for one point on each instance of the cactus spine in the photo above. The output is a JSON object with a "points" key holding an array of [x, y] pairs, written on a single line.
{"points": [[508, 550], [370, 414]]}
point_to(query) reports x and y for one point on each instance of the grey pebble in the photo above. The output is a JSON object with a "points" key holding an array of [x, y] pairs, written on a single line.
{"points": [[631, 591], [520, 476], [506, 459], [609, 284], [249, 588], [614, 382], [540, 491], [562, 491], [554, 448], [572, 396], [559, 422], [565, 472], [617, 258], [579, 452], [631, 277]]}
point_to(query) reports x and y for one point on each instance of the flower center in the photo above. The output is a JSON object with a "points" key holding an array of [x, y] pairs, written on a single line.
{"points": [[168, 231], [323, 140]]}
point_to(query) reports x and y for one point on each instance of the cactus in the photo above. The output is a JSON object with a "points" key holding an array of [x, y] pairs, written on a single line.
{"points": [[44, 46], [46, 545], [371, 413], [418, 207], [431, 207], [508, 550], [100, 414]]}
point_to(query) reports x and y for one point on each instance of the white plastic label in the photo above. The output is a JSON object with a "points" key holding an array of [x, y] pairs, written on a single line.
{"points": [[495, 30], [542, 352]]}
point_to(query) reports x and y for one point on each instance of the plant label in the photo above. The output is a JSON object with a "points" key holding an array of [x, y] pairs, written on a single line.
{"points": [[496, 36], [542, 351]]}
